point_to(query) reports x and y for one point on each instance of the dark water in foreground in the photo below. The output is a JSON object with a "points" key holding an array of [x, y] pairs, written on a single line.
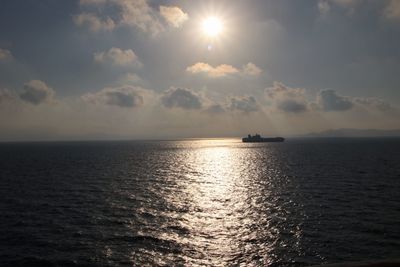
{"points": [[200, 202]]}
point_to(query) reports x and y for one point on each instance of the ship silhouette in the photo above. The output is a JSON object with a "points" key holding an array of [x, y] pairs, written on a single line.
{"points": [[258, 139]]}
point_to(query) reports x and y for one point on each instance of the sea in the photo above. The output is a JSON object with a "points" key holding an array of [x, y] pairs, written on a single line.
{"points": [[199, 202]]}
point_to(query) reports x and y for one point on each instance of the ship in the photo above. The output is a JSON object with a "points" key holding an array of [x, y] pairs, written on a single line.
{"points": [[258, 139]]}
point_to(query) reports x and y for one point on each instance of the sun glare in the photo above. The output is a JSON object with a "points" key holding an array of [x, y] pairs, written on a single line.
{"points": [[212, 26]]}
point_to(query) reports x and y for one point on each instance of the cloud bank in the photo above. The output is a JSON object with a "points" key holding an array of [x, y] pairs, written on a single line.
{"points": [[124, 97]]}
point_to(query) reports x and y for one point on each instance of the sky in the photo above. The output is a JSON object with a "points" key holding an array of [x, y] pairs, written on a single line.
{"points": [[146, 69]]}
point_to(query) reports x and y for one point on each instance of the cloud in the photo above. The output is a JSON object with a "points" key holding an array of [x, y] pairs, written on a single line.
{"points": [[244, 104], [392, 10], [117, 57], [136, 13], [324, 7], [125, 97], [251, 69], [292, 106], [92, 2], [215, 72], [181, 98], [215, 109], [293, 100], [173, 15], [373, 102], [329, 100], [139, 14], [223, 70], [6, 96], [93, 22], [286, 99], [130, 78], [37, 92], [5, 54]]}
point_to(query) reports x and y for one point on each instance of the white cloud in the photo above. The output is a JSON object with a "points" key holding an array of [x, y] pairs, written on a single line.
{"points": [[138, 13], [125, 97], [5, 54], [251, 69], [223, 70], [218, 71], [37, 92], [392, 10], [93, 22], [117, 57], [173, 15]]}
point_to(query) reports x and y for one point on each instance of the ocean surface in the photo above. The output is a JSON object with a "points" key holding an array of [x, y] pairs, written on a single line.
{"points": [[199, 202]]}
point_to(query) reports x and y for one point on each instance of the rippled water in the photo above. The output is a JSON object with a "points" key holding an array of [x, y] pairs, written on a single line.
{"points": [[199, 202]]}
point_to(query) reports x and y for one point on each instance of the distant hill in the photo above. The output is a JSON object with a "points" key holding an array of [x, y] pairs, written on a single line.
{"points": [[346, 132]]}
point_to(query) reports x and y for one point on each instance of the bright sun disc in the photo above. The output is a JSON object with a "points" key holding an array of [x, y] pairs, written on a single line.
{"points": [[212, 26]]}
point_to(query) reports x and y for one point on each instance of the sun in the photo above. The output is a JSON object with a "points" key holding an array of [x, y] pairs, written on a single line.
{"points": [[212, 26]]}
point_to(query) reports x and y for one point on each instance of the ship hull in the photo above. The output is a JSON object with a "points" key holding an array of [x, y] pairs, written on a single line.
{"points": [[262, 140]]}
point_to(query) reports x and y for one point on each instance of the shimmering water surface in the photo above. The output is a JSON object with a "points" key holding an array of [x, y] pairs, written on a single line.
{"points": [[199, 202]]}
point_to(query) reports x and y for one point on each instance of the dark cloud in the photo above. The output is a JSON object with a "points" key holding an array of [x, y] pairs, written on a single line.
{"points": [[126, 97], [37, 92], [293, 106], [329, 100], [287, 99], [245, 104], [215, 109], [181, 98]]}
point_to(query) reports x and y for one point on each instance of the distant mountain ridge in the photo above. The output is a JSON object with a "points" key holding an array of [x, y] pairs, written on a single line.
{"points": [[348, 132]]}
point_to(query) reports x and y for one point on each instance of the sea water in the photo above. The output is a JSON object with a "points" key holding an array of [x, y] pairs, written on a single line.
{"points": [[201, 202]]}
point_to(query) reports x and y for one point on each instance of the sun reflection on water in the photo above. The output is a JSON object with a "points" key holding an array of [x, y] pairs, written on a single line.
{"points": [[230, 199], [218, 195]]}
